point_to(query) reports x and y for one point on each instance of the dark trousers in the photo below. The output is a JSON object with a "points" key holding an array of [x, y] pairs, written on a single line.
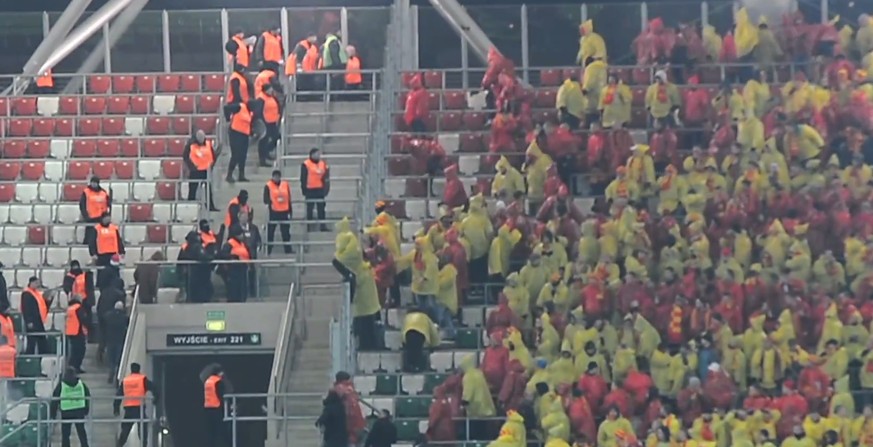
{"points": [[418, 126], [133, 413], [77, 351], [414, 358], [239, 151], [348, 275], [478, 269], [365, 328], [45, 90], [36, 343], [267, 144], [217, 432], [569, 119], [198, 178], [237, 283], [113, 356], [284, 230], [66, 428], [90, 231], [315, 206]]}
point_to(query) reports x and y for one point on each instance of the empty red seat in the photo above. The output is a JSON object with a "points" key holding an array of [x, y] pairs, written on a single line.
{"points": [[168, 83], [550, 77], [145, 83], [454, 100], [181, 125], [130, 147], [406, 78], [433, 100], [84, 148], [474, 120], [176, 146], [157, 125], [9, 170], [43, 127], [73, 191], [118, 105], [107, 148], [99, 84], [206, 124], [430, 122], [139, 212], [33, 170], [639, 119], [184, 104], [39, 148], [433, 79], [25, 106], [450, 121], [157, 234], [572, 73], [68, 105], [398, 166], [139, 105], [416, 187], [172, 168], [7, 192], [113, 126], [167, 191], [94, 105], [154, 147], [14, 149], [64, 127], [470, 142], [89, 127], [189, 83], [213, 83], [103, 169], [638, 96], [545, 98], [124, 169], [20, 127], [78, 170], [208, 103], [37, 235], [122, 84], [4, 107]]}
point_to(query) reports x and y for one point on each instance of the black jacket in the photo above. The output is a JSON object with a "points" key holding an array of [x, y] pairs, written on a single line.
{"points": [[333, 422], [55, 405], [314, 193], [198, 277], [149, 388], [115, 322], [30, 312], [110, 295], [186, 154], [4, 293], [383, 434], [92, 244]]}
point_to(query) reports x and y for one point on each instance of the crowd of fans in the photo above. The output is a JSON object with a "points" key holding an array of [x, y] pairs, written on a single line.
{"points": [[712, 297]]}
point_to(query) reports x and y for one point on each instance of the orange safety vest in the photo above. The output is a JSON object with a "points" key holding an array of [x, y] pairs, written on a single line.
{"points": [[79, 288], [210, 392], [239, 249], [243, 88], [7, 361], [74, 326], [242, 52], [353, 71], [235, 201], [315, 173], [40, 303], [201, 155], [133, 386], [263, 78], [107, 239], [46, 79], [271, 109], [7, 328], [208, 238], [280, 196], [242, 121], [96, 202], [310, 59], [272, 47]]}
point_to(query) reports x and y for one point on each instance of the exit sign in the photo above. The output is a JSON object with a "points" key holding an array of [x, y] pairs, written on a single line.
{"points": [[215, 321]]}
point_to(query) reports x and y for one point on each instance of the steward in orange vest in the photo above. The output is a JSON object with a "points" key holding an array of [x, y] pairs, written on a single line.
{"points": [[76, 330], [238, 278], [302, 61], [269, 50], [215, 386], [354, 80], [8, 354], [239, 89], [131, 393], [277, 197], [238, 204], [270, 112], [7, 327], [45, 83], [34, 310], [199, 157], [315, 184], [240, 118], [238, 50], [80, 283], [107, 241], [93, 203]]}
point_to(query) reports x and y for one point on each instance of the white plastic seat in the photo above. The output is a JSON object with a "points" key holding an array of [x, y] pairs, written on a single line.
{"points": [[52, 277], [584, 204], [32, 256], [48, 105], [471, 316], [477, 101], [459, 356], [10, 255], [389, 361], [118, 211], [393, 340], [17, 413], [365, 385], [368, 362], [144, 191], [416, 209], [15, 298], [412, 383], [49, 367], [79, 231], [469, 184], [164, 104], [22, 276], [63, 234], [149, 169], [4, 213], [433, 206], [187, 212], [178, 232], [167, 295], [162, 212], [441, 361], [60, 148], [133, 254], [468, 164], [57, 256], [54, 170], [409, 227], [134, 234], [44, 388], [395, 187], [439, 185], [49, 192], [380, 403], [57, 321], [120, 191], [26, 192], [42, 213], [20, 214], [406, 247], [392, 318], [80, 253], [449, 141], [134, 126]]}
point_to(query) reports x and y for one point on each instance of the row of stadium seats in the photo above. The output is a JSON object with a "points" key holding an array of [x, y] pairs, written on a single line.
{"points": [[186, 212], [52, 192], [110, 126], [148, 83], [59, 234], [90, 147], [36, 256], [53, 277], [111, 105], [104, 169]]}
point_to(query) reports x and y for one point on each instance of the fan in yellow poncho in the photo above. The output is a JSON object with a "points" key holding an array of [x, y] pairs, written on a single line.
{"points": [[832, 328], [829, 273], [501, 248], [540, 374], [864, 36], [476, 394], [730, 100], [555, 422], [662, 97], [562, 371], [517, 296], [507, 180], [425, 267], [517, 349], [750, 132], [615, 103], [641, 168], [767, 365], [591, 44], [756, 94], [613, 428], [622, 188], [477, 230], [745, 33], [556, 293], [712, 42], [862, 427], [672, 187], [348, 248], [570, 101], [535, 171], [512, 432], [534, 275], [589, 249], [549, 339], [594, 79], [768, 50], [797, 94]]}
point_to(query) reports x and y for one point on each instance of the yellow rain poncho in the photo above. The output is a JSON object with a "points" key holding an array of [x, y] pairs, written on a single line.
{"points": [[672, 188], [593, 82], [649, 336], [864, 36], [366, 301], [836, 364], [615, 102], [421, 323], [554, 255], [425, 275], [476, 392], [386, 228], [583, 359], [606, 433], [570, 97], [348, 248], [756, 95], [641, 168], [829, 273], [625, 359], [622, 188], [517, 296], [796, 95], [562, 371], [815, 430], [753, 338], [535, 173], [768, 49], [745, 32], [799, 263], [750, 132], [591, 44], [501, 248], [477, 228], [862, 430], [660, 106], [712, 42], [733, 360], [681, 368], [448, 289], [512, 432], [507, 180], [556, 442], [764, 367], [659, 366], [534, 275], [555, 422], [785, 333], [549, 340], [832, 328], [589, 249], [730, 267], [847, 40], [517, 349], [855, 252], [776, 242], [792, 441], [855, 336], [540, 374], [733, 102], [556, 293], [771, 156]]}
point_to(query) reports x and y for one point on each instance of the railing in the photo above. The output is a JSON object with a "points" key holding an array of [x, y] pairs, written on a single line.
{"points": [[129, 338], [342, 341], [283, 360]]}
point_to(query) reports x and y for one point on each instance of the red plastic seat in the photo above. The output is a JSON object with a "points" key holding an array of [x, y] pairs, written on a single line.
{"points": [[430, 122], [208, 104], [64, 127], [406, 78], [168, 83], [450, 121], [546, 98], [68, 105], [130, 147], [145, 83], [43, 127], [139, 105], [157, 234], [20, 127], [139, 212], [25, 106], [639, 119], [103, 169], [474, 120], [7, 192], [39, 149], [454, 100], [398, 166], [470, 142], [113, 126], [167, 191], [433, 79], [213, 83], [639, 96], [416, 187], [154, 147], [176, 146], [122, 84], [99, 84], [84, 148], [550, 77], [14, 149], [189, 83], [73, 191], [181, 125], [94, 105], [33, 170], [4, 107], [125, 170], [107, 148], [401, 100], [184, 104], [118, 105], [9, 170], [433, 100], [78, 170], [37, 235], [89, 127], [206, 124], [172, 169], [157, 125], [572, 73]]}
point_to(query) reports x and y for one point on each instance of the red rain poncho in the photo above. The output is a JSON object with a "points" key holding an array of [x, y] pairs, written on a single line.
{"points": [[582, 418], [719, 390], [637, 385], [511, 392], [454, 194], [617, 398], [440, 427], [355, 422], [417, 107], [494, 365], [690, 403], [663, 144], [595, 388]]}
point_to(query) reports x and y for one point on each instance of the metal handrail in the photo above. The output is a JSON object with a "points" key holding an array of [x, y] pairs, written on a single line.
{"points": [[128, 338], [282, 358]]}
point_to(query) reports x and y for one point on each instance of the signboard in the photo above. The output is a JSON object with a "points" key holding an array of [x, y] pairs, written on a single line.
{"points": [[207, 339], [215, 321]]}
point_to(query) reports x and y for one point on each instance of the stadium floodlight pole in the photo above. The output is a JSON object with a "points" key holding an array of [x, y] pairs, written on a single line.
{"points": [[116, 29]]}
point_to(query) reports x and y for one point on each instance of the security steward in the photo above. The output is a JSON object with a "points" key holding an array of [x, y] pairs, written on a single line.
{"points": [[271, 112], [199, 157], [77, 332], [207, 237], [277, 197], [315, 184], [34, 310], [238, 50], [80, 283], [7, 326], [334, 57], [237, 279], [107, 242], [240, 116], [238, 204], [132, 392], [264, 77], [303, 61], [73, 398], [92, 204], [215, 386], [354, 80], [269, 50], [45, 83], [239, 89], [197, 273], [8, 355]]}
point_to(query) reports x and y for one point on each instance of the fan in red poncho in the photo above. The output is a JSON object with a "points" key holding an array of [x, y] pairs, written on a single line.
{"points": [[691, 401], [417, 106], [454, 193], [663, 146], [654, 44], [581, 417], [719, 389], [793, 408], [756, 400], [813, 384], [512, 389], [355, 422], [617, 398], [457, 256], [637, 383], [494, 362], [595, 388], [384, 270], [440, 426], [501, 318]]}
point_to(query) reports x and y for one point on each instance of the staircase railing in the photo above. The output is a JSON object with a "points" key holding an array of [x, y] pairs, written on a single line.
{"points": [[342, 343], [129, 338], [283, 360]]}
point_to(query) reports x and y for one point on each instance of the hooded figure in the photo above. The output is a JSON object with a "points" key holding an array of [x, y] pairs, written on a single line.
{"points": [[549, 339], [417, 106], [476, 228], [613, 428], [512, 390], [440, 426], [535, 168], [615, 103], [198, 275], [555, 422], [662, 97], [501, 249], [534, 275], [332, 421], [571, 103], [495, 362], [555, 292], [767, 365], [832, 328], [591, 44], [507, 180], [355, 422], [581, 416], [454, 195], [562, 371], [476, 396]]}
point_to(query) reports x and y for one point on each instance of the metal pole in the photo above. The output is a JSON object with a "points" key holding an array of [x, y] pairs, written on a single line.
{"points": [[107, 50], [644, 15], [413, 12], [225, 33], [344, 26], [525, 45], [165, 25], [824, 11], [286, 33], [583, 12], [465, 64], [46, 25], [704, 13], [56, 34]]}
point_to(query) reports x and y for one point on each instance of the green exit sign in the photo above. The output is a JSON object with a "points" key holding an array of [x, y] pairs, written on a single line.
{"points": [[215, 321]]}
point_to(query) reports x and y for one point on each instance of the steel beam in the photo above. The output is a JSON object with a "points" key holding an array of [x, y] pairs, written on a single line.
{"points": [[56, 35]]}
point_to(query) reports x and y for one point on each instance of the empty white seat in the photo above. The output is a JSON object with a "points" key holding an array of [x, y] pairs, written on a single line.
{"points": [[22, 276], [178, 232], [14, 235], [42, 213], [416, 209], [4, 213], [162, 212], [471, 316], [380, 403], [49, 367], [459, 356], [134, 234], [186, 212], [44, 388], [133, 254], [365, 385], [144, 191], [389, 361], [406, 247], [20, 214], [164, 104], [468, 164], [60, 148], [17, 413], [395, 187], [49, 192], [63, 234], [118, 212], [10, 255], [392, 318], [433, 206], [52, 277], [477, 101], [79, 231], [393, 340], [167, 295], [80, 253], [584, 204], [368, 362], [120, 191], [15, 299], [54, 170], [31, 256], [439, 185], [134, 125], [449, 141], [470, 184], [26, 192], [57, 256], [441, 361], [149, 169], [408, 228], [172, 251], [412, 383], [47, 105]]}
